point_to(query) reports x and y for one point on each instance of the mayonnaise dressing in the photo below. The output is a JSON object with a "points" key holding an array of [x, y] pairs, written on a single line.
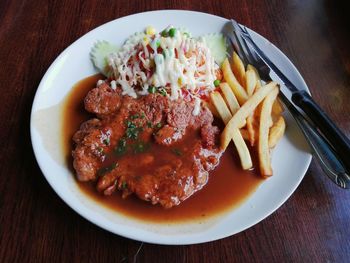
{"points": [[179, 64]]}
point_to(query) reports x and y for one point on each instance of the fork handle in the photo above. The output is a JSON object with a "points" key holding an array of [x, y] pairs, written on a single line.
{"points": [[331, 132]]}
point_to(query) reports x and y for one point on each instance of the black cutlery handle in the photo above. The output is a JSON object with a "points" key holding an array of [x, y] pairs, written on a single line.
{"points": [[332, 133]]}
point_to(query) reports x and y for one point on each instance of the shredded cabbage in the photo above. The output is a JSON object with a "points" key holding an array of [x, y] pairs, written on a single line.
{"points": [[171, 62]]}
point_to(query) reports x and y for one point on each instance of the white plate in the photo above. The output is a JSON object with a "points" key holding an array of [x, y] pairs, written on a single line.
{"points": [[291, 157]]}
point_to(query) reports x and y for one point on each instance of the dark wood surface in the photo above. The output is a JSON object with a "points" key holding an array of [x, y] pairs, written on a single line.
{"points": [[37, 226]]}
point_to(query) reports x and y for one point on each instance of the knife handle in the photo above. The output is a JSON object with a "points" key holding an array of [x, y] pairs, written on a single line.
{"points": [[331, 132]]}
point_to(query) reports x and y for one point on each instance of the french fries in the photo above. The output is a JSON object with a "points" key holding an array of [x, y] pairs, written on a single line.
{"points": [[221, 107], [229, 97], [236, 87], [251, 129], [277, 108], [250, 81], [257, 76], [252, 120], [250, 85], [276, 131], [263, 144], [246, 109], [242, 149], [237, 138], [250, 111], [238, 68]]}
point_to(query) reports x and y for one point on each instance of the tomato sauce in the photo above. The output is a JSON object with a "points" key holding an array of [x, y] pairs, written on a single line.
{"points": [[228, 184]]}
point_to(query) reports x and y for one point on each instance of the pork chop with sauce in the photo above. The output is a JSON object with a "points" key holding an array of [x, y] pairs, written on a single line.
{"points": [[152, 147]]}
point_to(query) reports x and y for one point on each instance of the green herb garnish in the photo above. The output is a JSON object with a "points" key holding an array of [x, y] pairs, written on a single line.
{"points": [[176, 151], [121, 148], [135, 116], [130, 124], [132, 131], [124, 185], [102, 171]]}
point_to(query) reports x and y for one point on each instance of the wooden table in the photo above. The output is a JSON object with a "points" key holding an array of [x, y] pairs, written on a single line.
{"points": [[37, 226]]}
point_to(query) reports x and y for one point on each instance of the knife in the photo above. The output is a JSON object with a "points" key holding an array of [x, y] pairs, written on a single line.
{"points": [[304, 101]]}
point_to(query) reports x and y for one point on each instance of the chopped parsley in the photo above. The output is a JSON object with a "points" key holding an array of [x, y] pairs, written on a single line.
{"points": [[176, 151], [135, 116], [132, 131], [121, 148], [130, 124], [124, 185], [107, 169]]}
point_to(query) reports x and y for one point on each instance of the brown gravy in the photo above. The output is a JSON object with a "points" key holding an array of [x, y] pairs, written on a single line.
{"points": [[228, 184]]}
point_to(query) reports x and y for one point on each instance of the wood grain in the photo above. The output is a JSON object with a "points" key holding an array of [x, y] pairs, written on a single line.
{"points": [[36, 226]]}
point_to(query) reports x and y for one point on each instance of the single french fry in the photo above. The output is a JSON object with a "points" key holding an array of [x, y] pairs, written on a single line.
{"points": [[277, 108], [276, 132], [250, 82], [257, 76], [246, 109], [251, 129], [238, 68], [211, 107], [220, 106], [256, 124], [229, 97], [242, 149], [230, 78], [263, 143]]}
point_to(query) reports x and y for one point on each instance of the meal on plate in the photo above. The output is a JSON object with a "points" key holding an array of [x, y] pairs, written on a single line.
{"points": [[153, 131]]}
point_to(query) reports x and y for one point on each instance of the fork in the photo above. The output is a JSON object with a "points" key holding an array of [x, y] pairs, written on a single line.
{"points": [[323, 151]]}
